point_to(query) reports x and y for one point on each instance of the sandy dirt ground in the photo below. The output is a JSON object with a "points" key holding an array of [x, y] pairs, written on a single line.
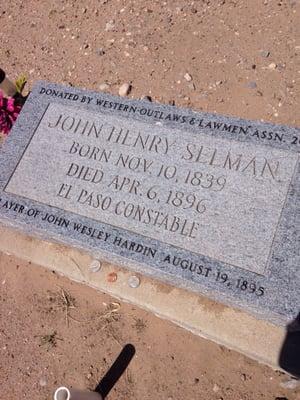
{"points": [[242, 55], [55, 332], [243, 60]]}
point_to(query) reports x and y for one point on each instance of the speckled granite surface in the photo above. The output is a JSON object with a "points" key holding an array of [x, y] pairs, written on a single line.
{"points": [[202, 201]]}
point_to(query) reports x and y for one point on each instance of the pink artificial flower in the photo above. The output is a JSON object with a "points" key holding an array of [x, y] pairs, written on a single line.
{"points": [[9, 111]]}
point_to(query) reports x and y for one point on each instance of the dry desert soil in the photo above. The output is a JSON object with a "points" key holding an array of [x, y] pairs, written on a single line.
{"points": [[243, 59]]}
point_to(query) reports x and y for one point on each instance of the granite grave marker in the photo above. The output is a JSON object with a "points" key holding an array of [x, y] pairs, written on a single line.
{"points": [[202, 201]]}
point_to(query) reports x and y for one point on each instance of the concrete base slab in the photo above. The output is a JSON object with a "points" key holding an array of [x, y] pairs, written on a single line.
{"points": [[230, 327]]}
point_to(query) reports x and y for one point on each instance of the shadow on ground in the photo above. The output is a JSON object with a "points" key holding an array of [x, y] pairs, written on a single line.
{"points": [[116, 370], [289, 359]]}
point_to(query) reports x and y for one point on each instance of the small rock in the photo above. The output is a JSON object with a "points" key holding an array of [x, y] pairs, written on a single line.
{"points": [[43, 382], [216, 388], [192, 86], [265, 53], [125, 89], [243, 377], [281, 67], [103, 87], [272, 66], [146, 98], [187, 77], [110, 25], [100, 52], [251, 85]]}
